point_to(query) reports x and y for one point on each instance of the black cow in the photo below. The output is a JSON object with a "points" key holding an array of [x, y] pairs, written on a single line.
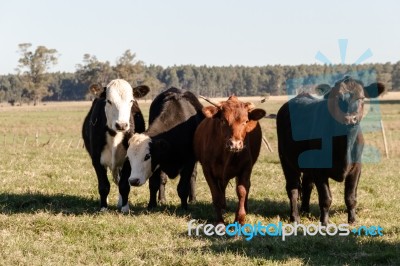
{"points": [[113, 118], [322, 139], [166, 146]]}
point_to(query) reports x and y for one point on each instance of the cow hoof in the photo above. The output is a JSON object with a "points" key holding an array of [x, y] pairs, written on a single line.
{"points": [[351, 218], [294, 219], [305, 209], [125, 209], [162, 202], [151, 206], [103, 209], [352, 221], [184, 206], [220, 222], [193, 201]]}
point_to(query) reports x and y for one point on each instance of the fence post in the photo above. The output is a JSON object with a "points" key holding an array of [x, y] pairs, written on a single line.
{"points": [[384, 140], [267, 144]]}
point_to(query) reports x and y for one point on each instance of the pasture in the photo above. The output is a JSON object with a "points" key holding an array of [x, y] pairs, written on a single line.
{"points": [[49, 204]]}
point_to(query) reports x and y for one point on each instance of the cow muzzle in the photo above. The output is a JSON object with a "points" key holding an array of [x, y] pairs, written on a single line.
{"points": [[234, 145], [121, 126], [135, 182], [350, 120]]}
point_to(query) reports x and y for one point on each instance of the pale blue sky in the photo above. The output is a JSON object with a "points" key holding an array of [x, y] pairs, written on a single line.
{"points": [[207, 32]]}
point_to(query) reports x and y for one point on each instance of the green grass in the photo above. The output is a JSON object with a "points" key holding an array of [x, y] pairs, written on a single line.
{"points": [[49, 203]]}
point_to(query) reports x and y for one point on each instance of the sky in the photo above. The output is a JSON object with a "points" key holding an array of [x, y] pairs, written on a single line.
{"points": [[206, 32]]}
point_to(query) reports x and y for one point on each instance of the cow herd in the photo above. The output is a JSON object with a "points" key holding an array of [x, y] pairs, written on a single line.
{"points": [[318, 139]]}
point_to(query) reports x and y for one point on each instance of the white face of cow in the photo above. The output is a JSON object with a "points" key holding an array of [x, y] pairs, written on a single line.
{"points": [[140, 159], [119, 97]]}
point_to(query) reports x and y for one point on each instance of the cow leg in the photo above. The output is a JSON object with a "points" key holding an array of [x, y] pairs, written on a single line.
{"points": [[247, 197], [223, 195], [103, 183], [292, 189], [124, 187], [184, 184], [242, 191], [154, 186], [350, 195], [192, 191], [324, 197], [161, 192], [217, 194], [306, 188]]}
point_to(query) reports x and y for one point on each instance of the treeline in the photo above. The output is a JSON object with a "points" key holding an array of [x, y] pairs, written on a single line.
{"points": [[209, 81]]}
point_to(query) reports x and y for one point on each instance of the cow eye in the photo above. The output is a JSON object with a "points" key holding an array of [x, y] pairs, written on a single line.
{"points": [[147, 157], [109, 102]]}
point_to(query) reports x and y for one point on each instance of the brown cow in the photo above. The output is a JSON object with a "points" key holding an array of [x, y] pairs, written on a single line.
{"points": [[227, 143]]}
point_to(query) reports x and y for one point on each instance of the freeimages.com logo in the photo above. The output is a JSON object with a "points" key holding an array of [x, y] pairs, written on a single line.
{"points": [[249, 231]]}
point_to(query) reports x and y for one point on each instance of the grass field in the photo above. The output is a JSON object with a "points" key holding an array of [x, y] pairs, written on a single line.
{"points": [[49, 203]]}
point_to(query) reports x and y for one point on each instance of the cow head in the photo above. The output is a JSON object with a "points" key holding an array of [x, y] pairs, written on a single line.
{"points": [[236, 119], [119, 97], [144, 155], [346, 99]]}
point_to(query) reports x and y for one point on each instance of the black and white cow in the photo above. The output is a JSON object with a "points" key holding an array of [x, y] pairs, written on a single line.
{"points": [[113, 118], [322, 139], [166, 146]]}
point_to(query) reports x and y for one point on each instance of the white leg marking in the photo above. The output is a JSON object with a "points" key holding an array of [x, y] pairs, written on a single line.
{"points": [[119, 204]]}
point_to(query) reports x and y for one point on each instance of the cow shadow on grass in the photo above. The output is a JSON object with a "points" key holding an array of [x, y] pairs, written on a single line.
{"points": [[57, 203], [266, 209], [204, 211], [11, 203]]}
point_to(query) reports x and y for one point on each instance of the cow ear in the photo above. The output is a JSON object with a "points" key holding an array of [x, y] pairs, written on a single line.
{"points": [[250, 106], [96, 89], [374, 90], [140, 91], [210, 111], [256, 114]]}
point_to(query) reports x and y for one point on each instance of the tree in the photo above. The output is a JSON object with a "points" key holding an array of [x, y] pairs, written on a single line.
{"points": [[93, 71], [171, 78], [396, 76], [33, 67], [129, 69]]}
